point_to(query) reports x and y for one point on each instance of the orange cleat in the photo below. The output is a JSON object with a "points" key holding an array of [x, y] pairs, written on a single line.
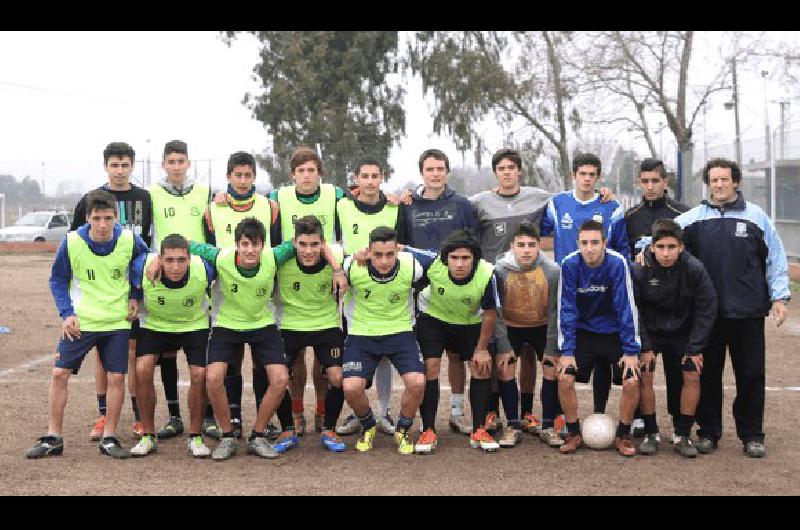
{"points": [[97, 430]]}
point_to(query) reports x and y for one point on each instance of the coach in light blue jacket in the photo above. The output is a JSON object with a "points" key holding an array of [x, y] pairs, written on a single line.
{"points": [[744, 256]]}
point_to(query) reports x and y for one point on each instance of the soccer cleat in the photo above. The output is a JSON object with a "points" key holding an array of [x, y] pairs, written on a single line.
{"points": [[146, 445], [287, 440], [46, 446], [198, 448], [426, 443], [560, 426], [649, 445], [404, 444], [226, 449], [637, 427], [366, 439], [481, 439], [272, 432], [755, 449], [236, 427], [510, 437], [328, 440], [259, 446], [299, 423], [386, 425], [492, 424], [684, 446], [460, 425], [319, 419], [551, 437], [138, 429], [571, 444], [211, 429], [705, 446], [173, 428], [110, 446], [350, 426], [624, 446], [531, 424], [97, 430]]}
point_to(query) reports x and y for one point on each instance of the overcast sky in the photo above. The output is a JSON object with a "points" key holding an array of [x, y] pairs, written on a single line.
{"points": [[65, 95]]}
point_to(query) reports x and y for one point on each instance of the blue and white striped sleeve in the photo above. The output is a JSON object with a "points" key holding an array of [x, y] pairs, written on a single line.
{"points": [[777, 265], [567, 309], [625, 306]]}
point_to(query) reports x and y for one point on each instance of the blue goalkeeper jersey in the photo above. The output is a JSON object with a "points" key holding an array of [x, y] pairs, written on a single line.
{"points": [[565, 214]]}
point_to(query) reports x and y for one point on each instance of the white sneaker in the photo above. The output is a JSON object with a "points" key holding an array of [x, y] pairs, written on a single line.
{"points": [[460, 425], [197, 447], [146, 445], [510, 437], [386, 425], [350, 426]]}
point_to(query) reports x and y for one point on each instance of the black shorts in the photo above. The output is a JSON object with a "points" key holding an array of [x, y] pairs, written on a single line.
{"points": [[434, 336], [266, 346], [672, 346], [593, 348], [193, 344], [535, 337], [328, 345], [135, 329]]}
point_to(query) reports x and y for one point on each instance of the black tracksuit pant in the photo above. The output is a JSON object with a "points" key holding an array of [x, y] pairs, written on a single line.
{"points": [[745, 339], [672, 349]]}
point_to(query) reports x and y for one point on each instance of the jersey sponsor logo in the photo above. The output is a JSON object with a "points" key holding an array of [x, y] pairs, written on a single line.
{"points": [[394, 298], [500, 229], [116, 274], [566, 222], [741, 229], [336, 353], [190, 301], [654, 282], [353, 366], [593, 289], [195, 212], [467, 301]]}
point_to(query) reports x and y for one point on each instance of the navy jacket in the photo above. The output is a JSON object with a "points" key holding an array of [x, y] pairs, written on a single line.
{"points": [[640, 218], [427, 222], [679, 300]]}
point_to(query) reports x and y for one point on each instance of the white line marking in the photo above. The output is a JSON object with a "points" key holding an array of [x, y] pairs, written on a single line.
{"points": [[26, 366]]}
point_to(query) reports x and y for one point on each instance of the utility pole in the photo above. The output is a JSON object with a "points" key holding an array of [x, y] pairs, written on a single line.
{"points": [[784, 104], [736, 112], [768, 151]]}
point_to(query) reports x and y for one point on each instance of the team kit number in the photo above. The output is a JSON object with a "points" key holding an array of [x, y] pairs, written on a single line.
{"points": [[169, 212]]}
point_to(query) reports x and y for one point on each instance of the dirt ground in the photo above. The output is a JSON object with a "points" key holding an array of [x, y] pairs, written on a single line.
{"points": [[27, 353]]}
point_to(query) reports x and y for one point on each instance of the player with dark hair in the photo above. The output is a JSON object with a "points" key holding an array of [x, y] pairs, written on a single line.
{"points": [[89, 283], [135, 213], [597, 322], [457, 311], [380, 314], [677, 305]]}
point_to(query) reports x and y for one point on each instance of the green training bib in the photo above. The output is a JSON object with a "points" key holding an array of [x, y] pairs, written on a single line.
{"points": [[176, 310], [240, 303], [453, 303], [225, 219], [356, 225], [307, 303], [324, 209], [178, 215], [378, 309]]}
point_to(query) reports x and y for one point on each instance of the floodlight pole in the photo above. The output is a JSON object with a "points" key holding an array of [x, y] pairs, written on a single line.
{"points": [[2, 210]]}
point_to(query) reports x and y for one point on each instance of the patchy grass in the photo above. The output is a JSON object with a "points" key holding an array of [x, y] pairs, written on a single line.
{"points": [[794, 286]]}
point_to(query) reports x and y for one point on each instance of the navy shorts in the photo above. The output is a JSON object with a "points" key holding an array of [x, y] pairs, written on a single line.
{"points": [[193, 344], [111, 345], [362, 354], [434, 336], [327, 343], [266, 346], [536, 338]]}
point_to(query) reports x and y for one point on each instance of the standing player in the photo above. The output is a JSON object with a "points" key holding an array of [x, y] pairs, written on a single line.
{"points": [[173, 316], [597, 322], [527, 328], [89, 282], [457, 311], [380, 316], [678, 306], [239, 202], [566, 212], [309, 317], [356, 217], [136, 214], [178, 206]]}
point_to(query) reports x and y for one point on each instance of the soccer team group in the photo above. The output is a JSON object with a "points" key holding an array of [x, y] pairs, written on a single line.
{"points": [[376, 283]]}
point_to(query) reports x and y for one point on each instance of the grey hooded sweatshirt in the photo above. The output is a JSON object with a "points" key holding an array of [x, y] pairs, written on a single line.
{"points": [[530, 298]]}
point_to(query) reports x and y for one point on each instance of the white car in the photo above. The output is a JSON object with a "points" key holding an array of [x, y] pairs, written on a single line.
{"points": [[38, 226]]}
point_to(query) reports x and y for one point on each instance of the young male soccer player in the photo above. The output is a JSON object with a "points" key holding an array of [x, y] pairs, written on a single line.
{"points": [[90, 285], [597, 322], [178, 207], [173, 316], [135, 213], [678, 305], [380, 314], [457, 311], [309, 316], [527, 328]]}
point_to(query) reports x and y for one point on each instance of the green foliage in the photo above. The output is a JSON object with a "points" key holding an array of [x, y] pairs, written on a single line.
{"points": [[328, 88]]}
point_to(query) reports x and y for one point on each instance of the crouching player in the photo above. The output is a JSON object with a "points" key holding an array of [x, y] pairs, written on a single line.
{"points": [[678, 306], [597, 322], [380, 316], [457, 312], [173, 316], [309, 316], [526, 325], [89, 282]]}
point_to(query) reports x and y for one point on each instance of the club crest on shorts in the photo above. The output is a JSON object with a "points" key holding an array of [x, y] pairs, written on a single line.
{"points": [[336, 353]]}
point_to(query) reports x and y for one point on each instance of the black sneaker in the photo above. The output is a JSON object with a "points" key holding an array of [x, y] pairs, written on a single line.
{"points": [[755, 449], [46, 446], [173, 428], [272, 432], [236, 427], [110, 446], [705, 445]]}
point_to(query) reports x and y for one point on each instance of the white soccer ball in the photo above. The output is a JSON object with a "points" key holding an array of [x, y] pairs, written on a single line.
{"points": [[598, 431]]}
